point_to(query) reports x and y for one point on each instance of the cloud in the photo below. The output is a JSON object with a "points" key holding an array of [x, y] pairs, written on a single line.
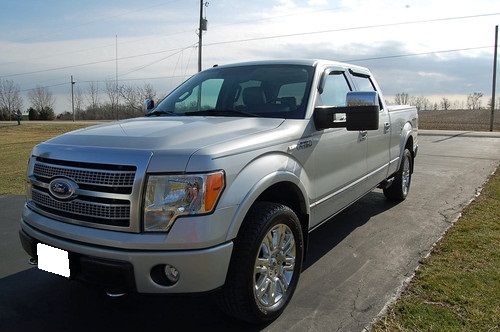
{"points": [[317, 2], [417, 75]]}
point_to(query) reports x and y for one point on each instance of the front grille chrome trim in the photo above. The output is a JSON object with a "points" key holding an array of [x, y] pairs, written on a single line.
{"points": [[88, 176], [76, 206], [72, 221], [83, 192]]}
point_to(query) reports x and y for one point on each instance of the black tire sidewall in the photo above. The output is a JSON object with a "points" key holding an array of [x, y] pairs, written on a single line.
{"points": [[286, 217], [406, 155]]}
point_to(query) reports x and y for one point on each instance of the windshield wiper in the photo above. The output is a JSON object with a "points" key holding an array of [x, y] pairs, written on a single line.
{"points": [[160, 112], [226, 112]]}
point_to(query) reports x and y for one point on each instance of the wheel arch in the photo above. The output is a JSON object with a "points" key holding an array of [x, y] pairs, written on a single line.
{"points": [[268, 189], [407, 142]]}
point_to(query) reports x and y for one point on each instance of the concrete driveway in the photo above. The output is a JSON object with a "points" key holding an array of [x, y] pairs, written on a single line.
{"points": [[357, 262]]}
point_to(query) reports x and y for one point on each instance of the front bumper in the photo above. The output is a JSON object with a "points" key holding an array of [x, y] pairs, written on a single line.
{"points": [[200, 270]]}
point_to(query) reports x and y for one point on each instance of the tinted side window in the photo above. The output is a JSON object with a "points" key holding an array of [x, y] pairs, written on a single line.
{"points": [[363, 83], [335, 91]]}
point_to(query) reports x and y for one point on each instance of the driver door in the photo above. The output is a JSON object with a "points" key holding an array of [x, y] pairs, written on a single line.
{"points": [[339, 157]]}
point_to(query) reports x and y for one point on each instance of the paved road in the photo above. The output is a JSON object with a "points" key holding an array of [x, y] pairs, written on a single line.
{"points": [[356, 264]]}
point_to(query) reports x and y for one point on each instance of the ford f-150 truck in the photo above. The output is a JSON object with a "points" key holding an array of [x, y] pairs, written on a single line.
{"points": [[219, 185]]}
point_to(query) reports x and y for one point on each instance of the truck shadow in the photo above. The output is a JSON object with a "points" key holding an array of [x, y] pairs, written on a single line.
{"points": [[327, 236], [34, 300]]}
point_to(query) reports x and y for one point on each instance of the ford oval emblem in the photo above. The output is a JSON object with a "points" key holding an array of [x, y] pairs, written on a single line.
{"points": [[62, 188]]}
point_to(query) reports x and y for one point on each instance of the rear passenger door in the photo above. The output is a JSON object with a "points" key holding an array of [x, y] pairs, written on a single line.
{"points": [[339, 156], [378, 141]]}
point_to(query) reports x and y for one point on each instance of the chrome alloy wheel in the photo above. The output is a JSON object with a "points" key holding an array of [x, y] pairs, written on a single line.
{"points": [[274, 267], [406, 175]]}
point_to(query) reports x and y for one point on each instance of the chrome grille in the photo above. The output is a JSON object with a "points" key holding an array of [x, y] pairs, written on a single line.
{"points": [[86, 176], [103, 193], [83, 208]]}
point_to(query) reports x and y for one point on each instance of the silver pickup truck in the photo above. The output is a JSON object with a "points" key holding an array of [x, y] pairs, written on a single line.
{"points": [[218, 187]]}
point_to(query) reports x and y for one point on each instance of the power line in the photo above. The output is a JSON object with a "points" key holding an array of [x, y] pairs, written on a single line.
{"points": [[416, 54], [347, 60], [237, 23], [104, 81], [91, 63], [156, 61], [350, 28], [46, 86]]}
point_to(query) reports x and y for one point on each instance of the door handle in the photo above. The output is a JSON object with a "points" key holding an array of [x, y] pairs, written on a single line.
{"points": [[362, 135], [387, 126]]}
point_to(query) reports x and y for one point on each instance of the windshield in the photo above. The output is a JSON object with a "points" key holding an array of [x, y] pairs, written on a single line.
{"points": [[270, 91]]}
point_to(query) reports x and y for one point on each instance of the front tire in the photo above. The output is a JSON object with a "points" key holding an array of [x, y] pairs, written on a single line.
{"points": [[265, 265], [400, 187]]}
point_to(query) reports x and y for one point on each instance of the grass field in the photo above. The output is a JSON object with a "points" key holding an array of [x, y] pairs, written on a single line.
{"points": [[457, 288], [16, 143], [458, 120]]}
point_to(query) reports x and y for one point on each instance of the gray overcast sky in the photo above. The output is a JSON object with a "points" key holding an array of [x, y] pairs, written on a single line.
{"points": [[40, 35]]}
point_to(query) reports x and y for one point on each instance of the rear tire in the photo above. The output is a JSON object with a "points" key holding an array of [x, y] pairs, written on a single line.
{"points": [[400, 187], [265, 264]]}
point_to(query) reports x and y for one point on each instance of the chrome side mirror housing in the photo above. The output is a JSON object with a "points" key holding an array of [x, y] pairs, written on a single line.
{"points": [[361, 113], [362, 98]]}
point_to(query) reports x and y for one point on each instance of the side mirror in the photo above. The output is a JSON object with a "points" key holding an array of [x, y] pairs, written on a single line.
{"points": [[361, 113], [148, 105]]}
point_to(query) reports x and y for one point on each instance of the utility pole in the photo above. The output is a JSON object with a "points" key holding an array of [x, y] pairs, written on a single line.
{"points": [[116, 76], [72, 98], [202, 27], [494, 85]]}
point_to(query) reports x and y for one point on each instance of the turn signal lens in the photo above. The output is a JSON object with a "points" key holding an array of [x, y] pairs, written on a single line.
{"points": [[214, 187]]}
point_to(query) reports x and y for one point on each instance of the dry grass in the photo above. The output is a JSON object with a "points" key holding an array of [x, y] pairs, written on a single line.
{"points": [[457, 287], [16, 143], [458, 120]]}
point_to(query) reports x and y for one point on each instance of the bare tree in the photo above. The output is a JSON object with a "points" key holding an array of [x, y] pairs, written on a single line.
{"points": [[41, 98], [93, 95], [113, 93], [474, 100], [420, 102], [445, 104], [402, 99], [148, 92], [497, 103], [10, 98], [78, 99], [132, 96]]}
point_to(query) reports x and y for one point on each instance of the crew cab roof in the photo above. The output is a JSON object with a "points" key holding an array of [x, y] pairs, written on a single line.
{"points": [[303, 62]]}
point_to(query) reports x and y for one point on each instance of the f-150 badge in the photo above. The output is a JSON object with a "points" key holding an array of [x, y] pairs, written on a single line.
{"points": [[300, 145]]}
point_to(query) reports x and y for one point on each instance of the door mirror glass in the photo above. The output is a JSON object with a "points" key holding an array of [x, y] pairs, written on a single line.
{"points": [[148, 105]]}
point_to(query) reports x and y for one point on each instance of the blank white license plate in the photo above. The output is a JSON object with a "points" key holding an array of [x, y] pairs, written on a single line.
{"points": [[53, 260]]}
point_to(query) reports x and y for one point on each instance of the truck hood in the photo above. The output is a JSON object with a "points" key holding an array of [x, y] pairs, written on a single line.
{"points": [[166, 133], [171, 140]]}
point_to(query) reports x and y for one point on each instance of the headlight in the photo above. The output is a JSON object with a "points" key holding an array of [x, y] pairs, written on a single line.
{"points": [[170, 196]]}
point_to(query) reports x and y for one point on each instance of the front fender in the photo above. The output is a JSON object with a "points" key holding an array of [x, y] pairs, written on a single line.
{"points": [[259, 175]]}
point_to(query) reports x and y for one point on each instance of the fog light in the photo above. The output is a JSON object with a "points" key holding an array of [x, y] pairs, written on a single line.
{"points": [[171, 273]]}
